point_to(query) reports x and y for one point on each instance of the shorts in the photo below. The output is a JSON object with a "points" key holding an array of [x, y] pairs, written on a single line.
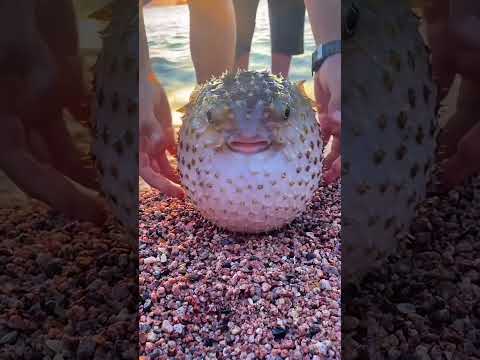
{"points": [[287, 25]]}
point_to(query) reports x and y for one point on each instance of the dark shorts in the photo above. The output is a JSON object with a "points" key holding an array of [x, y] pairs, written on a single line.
{"points": [[287, 23]]}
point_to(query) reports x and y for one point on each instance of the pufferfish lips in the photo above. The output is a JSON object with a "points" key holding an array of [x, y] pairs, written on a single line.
{"points": [[248, 145]]}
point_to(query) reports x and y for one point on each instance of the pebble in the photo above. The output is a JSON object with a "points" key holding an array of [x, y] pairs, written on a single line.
{"points": [[153, 336], [279, 333], [167, 326], [72, 279], [406, 308], [325, 285], [150, 260], [266, 287], [418, 304], [163, 258], [178, 328], [235, 330], [9, 338], [250, 293]]}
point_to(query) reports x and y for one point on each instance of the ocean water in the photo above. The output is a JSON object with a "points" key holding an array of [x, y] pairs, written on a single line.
{"points": [[167, 30]]}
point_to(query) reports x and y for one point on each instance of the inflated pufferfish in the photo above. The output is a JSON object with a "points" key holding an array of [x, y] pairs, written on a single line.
{"points": [[250, 151]]}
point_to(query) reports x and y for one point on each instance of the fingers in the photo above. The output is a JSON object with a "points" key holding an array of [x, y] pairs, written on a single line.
{"points": [[42, 181], [157, 180], [334, 172], [333, 154], [165, 168], [328, 95], [164, 116], [66, 157], [464, 162], [46, 184], [154, 156], [453, 173], [330, 126], [335, 100]]}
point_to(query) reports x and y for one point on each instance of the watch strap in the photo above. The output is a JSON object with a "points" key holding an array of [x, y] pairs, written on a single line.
{"points": [[323, 52]]}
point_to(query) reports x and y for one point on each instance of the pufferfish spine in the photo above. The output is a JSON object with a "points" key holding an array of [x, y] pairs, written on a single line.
{"points": [[116, 113], [389, 129]]}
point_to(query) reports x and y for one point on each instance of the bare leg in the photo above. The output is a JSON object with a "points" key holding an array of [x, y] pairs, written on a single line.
{"points": [[212, 37], [324, 19], [242, 62], [281, 64]]}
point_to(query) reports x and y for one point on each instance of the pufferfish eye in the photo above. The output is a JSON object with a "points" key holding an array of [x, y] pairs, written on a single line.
{"points": [[286, 113]]}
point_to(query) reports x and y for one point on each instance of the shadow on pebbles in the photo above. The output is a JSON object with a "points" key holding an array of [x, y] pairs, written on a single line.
{"points": [[207, 293], [68, 290], [424, 302]]}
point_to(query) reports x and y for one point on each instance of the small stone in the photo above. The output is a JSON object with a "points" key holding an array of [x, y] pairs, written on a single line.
{"points": [[9, 338], [150, 260], [161, 291], [406, 308], [320, 347], [325, 285], [279, 333], [235, 330], [421, 353], [266, 287], [54, 345], [163, 258], [147, 305], [208, 342], [178, 328], [153, 336], [166, 326]]}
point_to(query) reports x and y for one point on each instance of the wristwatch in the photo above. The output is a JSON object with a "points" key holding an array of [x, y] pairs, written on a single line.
{"points": [[323, 52]]}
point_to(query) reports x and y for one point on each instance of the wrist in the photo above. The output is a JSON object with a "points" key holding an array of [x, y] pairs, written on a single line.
{"points": [[334, 59], [324, 52]]}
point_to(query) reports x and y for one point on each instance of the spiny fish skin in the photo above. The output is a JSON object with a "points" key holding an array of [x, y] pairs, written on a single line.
{"points": [[250, 151], [116, 115], [389, 129]]}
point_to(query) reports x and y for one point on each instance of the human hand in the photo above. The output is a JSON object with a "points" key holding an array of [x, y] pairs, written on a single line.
{"points": [[156, 138], [156, 131], [452, 37], [328, 97], [36, 150], [443, 70], [331, 129], [464, 162]]}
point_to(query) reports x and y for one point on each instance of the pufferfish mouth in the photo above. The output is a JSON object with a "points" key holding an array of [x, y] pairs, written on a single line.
{"points": [[248, 145]]}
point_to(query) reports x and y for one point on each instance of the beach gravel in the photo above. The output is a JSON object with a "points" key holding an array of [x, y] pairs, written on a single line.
{"points": [[68, 289], [423, 303], [211, 294]]}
